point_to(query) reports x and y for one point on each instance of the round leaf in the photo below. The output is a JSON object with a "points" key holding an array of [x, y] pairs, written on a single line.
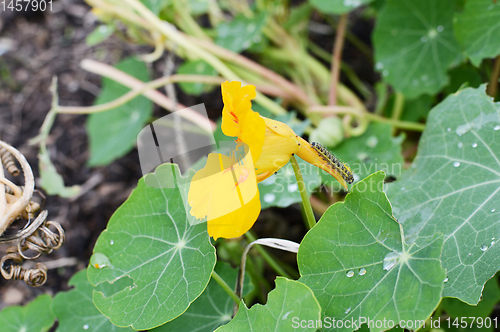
{"points": [[357, 264], [212, 309], [34, 317], [415, 45], [478, 29], [75, 310], [453, 187], [288, 304], [149, 241]]}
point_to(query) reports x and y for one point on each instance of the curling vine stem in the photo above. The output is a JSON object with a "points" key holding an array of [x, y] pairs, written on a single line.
{"points": [[311, 220], [267, 257]]}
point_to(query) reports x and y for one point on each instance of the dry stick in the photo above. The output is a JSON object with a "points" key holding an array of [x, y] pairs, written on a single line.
{"points": [[336, 59], [493, 85], [133, 83]]}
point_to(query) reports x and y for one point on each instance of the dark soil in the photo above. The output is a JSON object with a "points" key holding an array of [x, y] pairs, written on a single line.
{"points": [[50, 44]]}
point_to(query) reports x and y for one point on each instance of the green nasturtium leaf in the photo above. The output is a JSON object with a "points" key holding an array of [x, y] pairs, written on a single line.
{"points": [[36, 316], [453, 187], [282, 190], [241, 33], [212, 309], [491, 296], [289, 304], [113, 133], [150, 242], [415, 45], [375, 150], [337, 6], [478, 29], [75, 310], [358, 265], [198, 67]]}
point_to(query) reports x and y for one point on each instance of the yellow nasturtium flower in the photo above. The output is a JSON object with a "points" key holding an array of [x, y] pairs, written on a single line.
{"points": [[228, 196]]}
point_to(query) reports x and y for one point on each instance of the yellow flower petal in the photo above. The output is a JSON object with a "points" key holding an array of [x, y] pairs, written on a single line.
{"points": [[226, 194], [280, 143], [239, 120]]}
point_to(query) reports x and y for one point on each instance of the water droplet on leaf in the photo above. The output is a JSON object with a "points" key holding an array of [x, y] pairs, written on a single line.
{"points": [[362, 272], [269, 198], [483, 248], [372, 141], [349, 273], [456, 164]]}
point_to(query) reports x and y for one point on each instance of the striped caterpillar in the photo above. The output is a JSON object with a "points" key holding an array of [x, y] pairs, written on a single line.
{"points": [[334, 162], [8, 161]]}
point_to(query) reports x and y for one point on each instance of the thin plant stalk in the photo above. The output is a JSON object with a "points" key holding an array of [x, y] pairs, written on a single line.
{"points": [[407, 125], [336, 59], [225, 287], [311, 220]]}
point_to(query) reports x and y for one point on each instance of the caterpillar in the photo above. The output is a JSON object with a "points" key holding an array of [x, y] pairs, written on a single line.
{"points": [[334, 162], [8, 161]]}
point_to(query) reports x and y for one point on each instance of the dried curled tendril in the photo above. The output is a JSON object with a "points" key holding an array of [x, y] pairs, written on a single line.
{"points": [[16, 206]]}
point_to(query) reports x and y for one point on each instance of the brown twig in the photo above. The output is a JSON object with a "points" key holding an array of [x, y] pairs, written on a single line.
{"points": [[336, 59]]}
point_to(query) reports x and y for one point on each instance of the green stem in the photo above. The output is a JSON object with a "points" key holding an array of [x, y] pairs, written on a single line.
{"points": [[370, 116], [187, 21], [50, 118], [267, 257], [397, 109], [311, 220], [225, 287], [177, 37]]}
